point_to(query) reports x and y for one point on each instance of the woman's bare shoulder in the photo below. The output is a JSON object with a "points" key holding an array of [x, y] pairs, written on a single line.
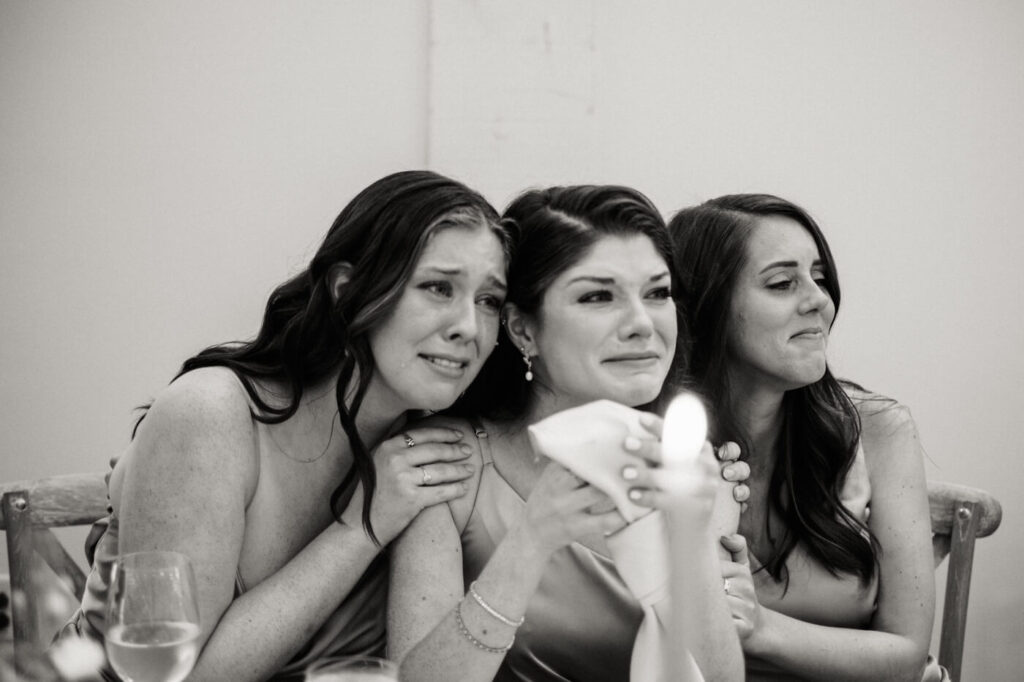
{"points": [[203, 397], [887, 427], [202, 422]]}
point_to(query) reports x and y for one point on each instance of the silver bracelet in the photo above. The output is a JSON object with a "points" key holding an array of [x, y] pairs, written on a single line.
{"points": [[476, 642], [491, 610]]}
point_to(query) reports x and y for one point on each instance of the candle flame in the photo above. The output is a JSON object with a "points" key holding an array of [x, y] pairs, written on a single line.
{"points": [[686, 428]]}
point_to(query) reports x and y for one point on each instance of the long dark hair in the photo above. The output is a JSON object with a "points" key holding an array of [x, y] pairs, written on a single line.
{"points": [[820, 428], [553, 229], [306, 334]]}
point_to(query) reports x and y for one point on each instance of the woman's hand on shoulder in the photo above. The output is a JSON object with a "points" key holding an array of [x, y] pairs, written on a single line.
{"points": [[424, 465]]}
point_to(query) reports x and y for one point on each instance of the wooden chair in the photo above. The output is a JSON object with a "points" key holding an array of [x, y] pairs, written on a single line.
{"points": [[28, 511], [959, 516]]}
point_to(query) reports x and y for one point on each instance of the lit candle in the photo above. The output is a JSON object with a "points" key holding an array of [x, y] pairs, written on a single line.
{"points": [[686, 428]]}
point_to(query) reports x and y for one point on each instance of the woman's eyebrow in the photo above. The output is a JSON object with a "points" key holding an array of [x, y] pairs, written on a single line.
{"points": [[787, 264], [455, 271], [451, 271], [610, 281], [607, 281]]}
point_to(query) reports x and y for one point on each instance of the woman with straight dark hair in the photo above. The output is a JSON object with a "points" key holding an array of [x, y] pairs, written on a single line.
{"points": [[832, 575], [282, 466], [589, 317]]}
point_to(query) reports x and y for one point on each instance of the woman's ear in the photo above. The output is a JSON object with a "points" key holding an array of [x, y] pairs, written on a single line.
{"points": [[520, 329], [338, 276]]}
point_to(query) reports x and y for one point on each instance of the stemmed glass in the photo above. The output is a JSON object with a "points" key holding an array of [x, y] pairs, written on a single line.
{"points": [[152, 617]]}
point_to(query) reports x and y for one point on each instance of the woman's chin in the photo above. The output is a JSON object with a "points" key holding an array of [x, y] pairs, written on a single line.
{"points": [[635, 396]]}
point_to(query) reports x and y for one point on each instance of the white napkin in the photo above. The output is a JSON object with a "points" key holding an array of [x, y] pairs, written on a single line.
{"points": [[587, 440]]}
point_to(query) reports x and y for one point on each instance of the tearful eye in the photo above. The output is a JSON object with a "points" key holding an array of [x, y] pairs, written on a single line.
{"points": [[602, 296], [440, 288], [661, 293], [492, 303]]}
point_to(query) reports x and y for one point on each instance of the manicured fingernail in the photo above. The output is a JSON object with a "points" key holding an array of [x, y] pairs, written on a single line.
{"points": [[466, 450], [635, 495], [632, 443], [646, 418], [729, 472], [468, 467], [457, 433], [630, 473]]}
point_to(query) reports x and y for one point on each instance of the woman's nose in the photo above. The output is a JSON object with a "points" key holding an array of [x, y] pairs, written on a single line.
{"points": [[637, 320]]}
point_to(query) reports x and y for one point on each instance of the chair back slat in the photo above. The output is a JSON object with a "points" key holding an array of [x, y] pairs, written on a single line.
{"points": [[69, 500], [943, 498], [14, 505], [28, 509], [959, 515], [50, 550]]}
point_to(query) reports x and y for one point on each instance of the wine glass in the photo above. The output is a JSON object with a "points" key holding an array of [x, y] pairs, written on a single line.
{"points": [[352, 669], [152, 617]]}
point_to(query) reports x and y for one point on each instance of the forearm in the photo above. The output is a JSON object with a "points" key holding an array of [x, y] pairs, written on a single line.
{"points": [[507, 583], [834, 653], [264, 628], [702, 613]]}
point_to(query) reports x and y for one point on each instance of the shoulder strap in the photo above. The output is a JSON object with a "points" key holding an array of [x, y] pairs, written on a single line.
{"points": [[483, 441]]}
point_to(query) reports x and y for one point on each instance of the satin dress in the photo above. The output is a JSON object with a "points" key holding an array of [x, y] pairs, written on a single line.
{"points": [[582, 620], [356, 628]]}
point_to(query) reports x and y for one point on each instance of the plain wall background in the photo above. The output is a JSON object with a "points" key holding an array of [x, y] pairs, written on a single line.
{"points": [[163, 166]]}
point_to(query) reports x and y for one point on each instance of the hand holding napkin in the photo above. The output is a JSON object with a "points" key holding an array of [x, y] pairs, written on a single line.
{"points": [[588, 441]]}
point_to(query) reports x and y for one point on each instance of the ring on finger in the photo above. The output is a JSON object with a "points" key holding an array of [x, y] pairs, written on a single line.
{"points": [[427, 478], [409, 442]]}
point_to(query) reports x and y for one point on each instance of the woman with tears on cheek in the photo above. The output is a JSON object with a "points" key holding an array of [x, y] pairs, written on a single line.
{"points": [[832, 576], [281, 466], [589, 316]]}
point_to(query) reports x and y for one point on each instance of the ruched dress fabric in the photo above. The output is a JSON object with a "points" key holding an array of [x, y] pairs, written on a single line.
{"points": [[815, 595], [356, 628], [582, 620]]}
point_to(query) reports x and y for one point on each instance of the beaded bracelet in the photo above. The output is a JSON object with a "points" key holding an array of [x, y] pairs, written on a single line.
{"points": [[491, 610], [476, 642]]}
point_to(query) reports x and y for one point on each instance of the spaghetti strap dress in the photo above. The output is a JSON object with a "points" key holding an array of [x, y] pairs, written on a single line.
{"points": [[815, 595], [355, 628], [582, 620]]}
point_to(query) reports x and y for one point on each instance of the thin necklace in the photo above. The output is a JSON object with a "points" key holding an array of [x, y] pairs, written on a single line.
{"points": [[330, 438]]}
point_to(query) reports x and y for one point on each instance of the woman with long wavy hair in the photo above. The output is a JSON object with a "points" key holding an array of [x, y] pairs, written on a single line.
{"points": [[589, 317], [282, 466], [831, 576]]}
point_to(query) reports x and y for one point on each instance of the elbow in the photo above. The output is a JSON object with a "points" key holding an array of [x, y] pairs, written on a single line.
{"points": [[909, 665]]}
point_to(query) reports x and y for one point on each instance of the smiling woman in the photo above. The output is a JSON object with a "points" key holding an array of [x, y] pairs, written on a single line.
{"points": [[239, 464], [837, 582]]}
